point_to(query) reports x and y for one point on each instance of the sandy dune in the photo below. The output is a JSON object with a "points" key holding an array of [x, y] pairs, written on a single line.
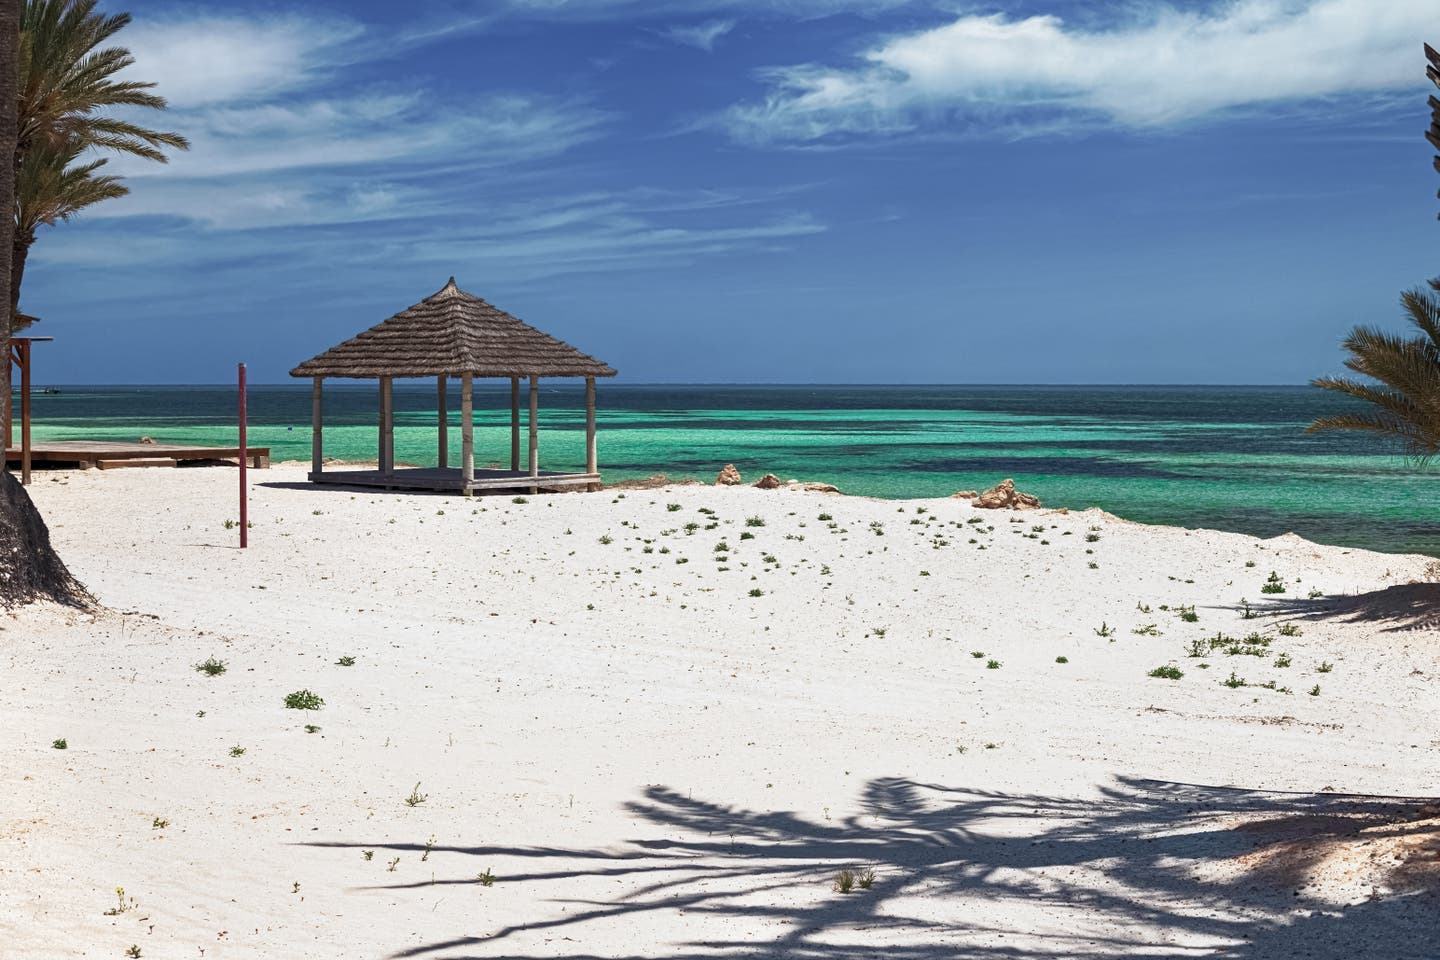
{"points": [[622, 752]]}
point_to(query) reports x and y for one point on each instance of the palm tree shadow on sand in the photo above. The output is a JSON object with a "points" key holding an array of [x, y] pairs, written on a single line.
{"points": [[1148, 870], [1402, 608]]}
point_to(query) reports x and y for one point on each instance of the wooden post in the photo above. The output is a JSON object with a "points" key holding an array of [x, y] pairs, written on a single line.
{"points": [[244, 483], [12, 357], [317, 445], [442, 404], [387, 426], [25, 346], [591, 454], [534, 433], [515, 424], [467, 431]]}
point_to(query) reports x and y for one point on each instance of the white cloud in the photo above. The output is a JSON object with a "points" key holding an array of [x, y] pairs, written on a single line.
{"points": [[207, 60], [702, 36], [400, 129], [1160, 66], [277, 140], [605, 9], [523, 240]]}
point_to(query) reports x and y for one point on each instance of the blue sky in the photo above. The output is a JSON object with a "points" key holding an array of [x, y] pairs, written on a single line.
{"points": [[768, 190]]}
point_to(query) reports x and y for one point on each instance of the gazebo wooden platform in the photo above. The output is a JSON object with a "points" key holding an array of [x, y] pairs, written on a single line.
{"points": [[454, 335]]}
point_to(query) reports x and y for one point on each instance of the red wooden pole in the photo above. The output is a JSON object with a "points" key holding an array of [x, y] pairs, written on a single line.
{"points": [[244, 513]]}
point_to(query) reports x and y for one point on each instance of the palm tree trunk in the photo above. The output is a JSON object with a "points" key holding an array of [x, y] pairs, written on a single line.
{"points": [[9, 132], [19, 253]]}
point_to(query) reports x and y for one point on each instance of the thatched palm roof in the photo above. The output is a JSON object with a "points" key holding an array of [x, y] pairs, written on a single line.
{"points": [[452, 332]]}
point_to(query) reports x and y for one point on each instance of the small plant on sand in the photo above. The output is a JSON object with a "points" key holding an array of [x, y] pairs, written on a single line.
{"points": [[1283, 660], [754, 521], [978, 654], [1315, 690], [606, 540], [60, 743], [311, 728], [1246, 611], [1092, 538], [159, 823], [486, 879], [879, 631], [1288, 630], [211, 667], [134, 951], [844, 881], [1325, 667], [345, 661], [824, 517], [1062, 659], [1198, 648], [1142, 607], [1188, 614], [993, 664], [1273, 584], [1167, 672], [416, 797], [519, 500], [756, 592], [865, 879], [304, 700], [1104, 630], [1149, 630], [672, 507], [1249, 563], [122, 905], [1234, 682], [368, 854], [746, 535], [237, 751], [390, 867]]}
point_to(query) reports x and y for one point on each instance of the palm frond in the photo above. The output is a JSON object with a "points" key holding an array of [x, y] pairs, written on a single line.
{"points": [[67, 82], [1404, 380]]}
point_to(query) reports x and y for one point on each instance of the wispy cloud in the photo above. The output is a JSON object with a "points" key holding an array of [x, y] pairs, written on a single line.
{"points": [[282, 136], [605, 9], [702, 36], [207, 59], [524, 241], [1159, 66]]}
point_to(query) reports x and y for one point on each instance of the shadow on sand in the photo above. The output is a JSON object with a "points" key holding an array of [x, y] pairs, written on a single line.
{"points": [[1398, 609], [1150, 870]]}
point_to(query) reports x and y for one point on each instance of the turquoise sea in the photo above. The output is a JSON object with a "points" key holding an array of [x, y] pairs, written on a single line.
{"points": [[1232, 458]]}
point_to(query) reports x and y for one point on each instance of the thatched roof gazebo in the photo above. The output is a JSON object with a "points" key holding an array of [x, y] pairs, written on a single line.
{"points": [[454, 334]]}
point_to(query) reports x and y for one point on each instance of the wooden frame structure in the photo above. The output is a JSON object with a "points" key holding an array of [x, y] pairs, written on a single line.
{"points": [[19, 359], [454, 335]]}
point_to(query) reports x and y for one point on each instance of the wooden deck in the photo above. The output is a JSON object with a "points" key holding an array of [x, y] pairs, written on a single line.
{"points": [[109, 454], [450, 480]]}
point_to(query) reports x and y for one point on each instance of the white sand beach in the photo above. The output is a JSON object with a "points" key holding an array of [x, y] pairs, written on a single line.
{"points": [[624, 741]]}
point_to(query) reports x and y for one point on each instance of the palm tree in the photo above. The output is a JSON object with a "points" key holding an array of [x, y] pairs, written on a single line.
{"points": [[32, 568], [54, 185], [66, 83], [9, 48], [1405, 399]]}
